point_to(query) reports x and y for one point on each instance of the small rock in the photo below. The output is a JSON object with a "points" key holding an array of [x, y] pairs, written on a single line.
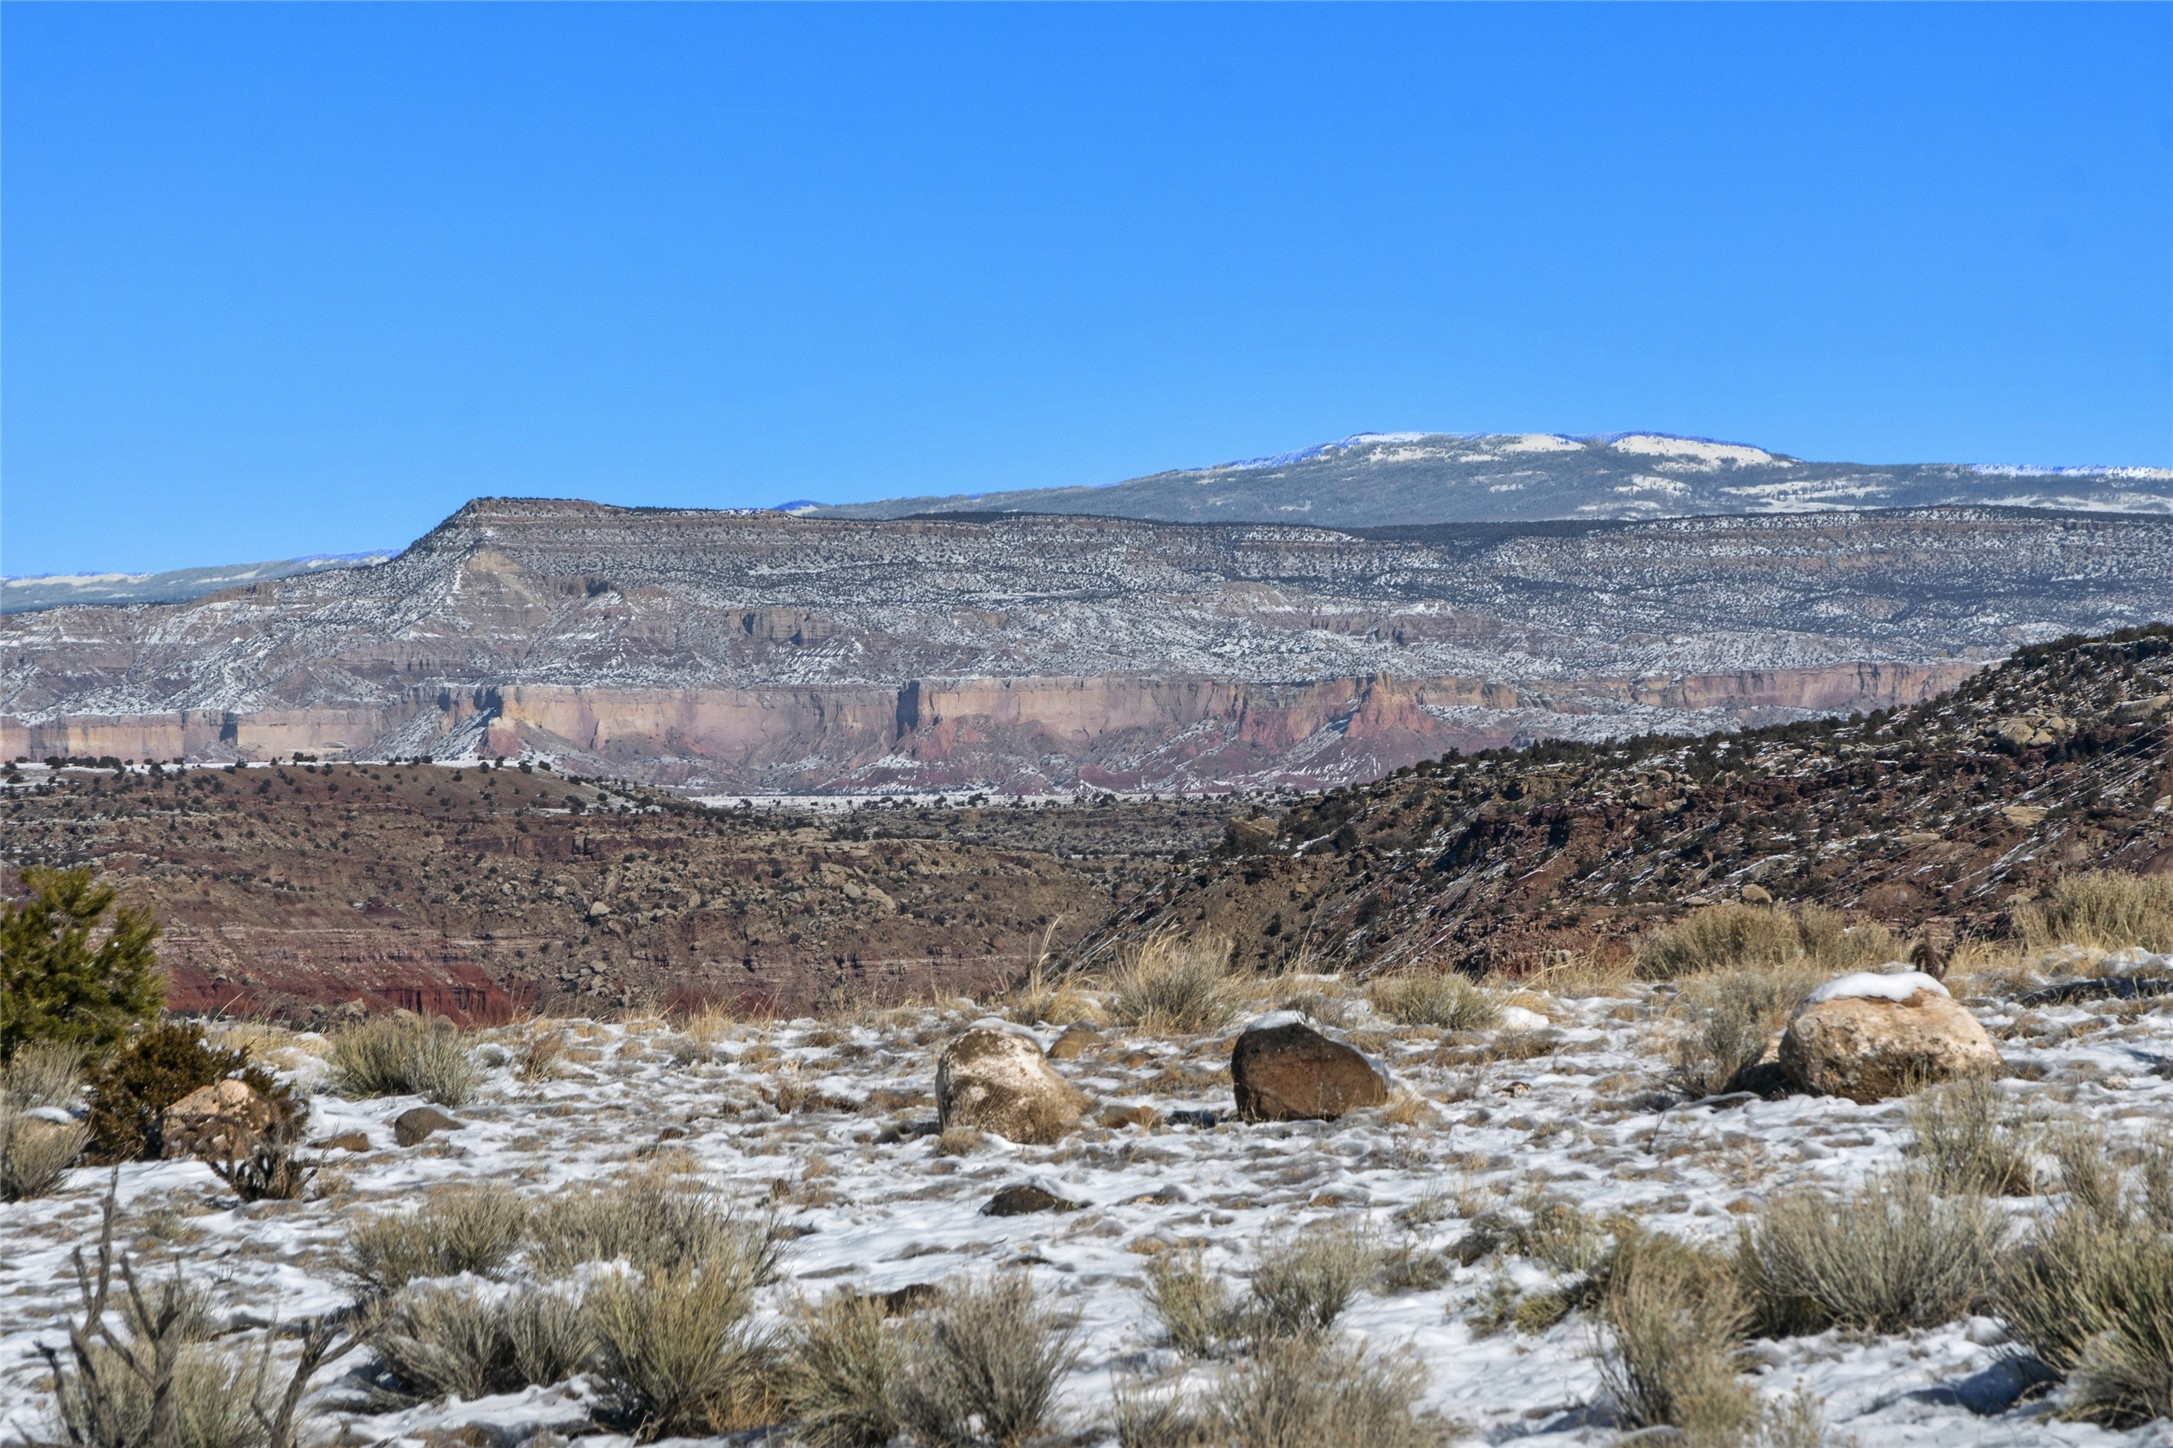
{"points": [[1075, 1042], [216, 1122], [1896, 1035], [1145, 1117], [995, 1078], [418, 1123], [909, 1299], [1284, 1070], [345, 1141], [1756, 895], [1018, 1201]]}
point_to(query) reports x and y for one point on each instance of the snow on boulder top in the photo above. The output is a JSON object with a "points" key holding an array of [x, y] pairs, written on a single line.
{"points": [[1275, 1020], [1875, 985], [1009, 1028]]}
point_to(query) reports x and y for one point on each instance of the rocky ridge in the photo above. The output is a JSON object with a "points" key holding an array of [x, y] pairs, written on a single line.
{"points": [[742, 652], [1932, 818]]}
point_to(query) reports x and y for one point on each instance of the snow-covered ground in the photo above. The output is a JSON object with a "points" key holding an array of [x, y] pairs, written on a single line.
{"points": [[1565, 1110]]}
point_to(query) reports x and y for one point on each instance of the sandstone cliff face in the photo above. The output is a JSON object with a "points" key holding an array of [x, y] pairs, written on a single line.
{"points": [[759, 651]]}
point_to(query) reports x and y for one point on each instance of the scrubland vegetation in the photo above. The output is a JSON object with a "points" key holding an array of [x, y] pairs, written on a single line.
{"points": [[689, 1225]]}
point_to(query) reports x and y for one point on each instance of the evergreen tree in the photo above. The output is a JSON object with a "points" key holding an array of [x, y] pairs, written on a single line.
{"points": [[55, 985]]}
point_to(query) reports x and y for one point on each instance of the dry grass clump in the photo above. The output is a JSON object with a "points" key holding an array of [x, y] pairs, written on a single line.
{"points": [[1192, 1303], [1317, 1392], [1040, 999], [677, 1352], [1178, 983], [1735, 1013], [35, 1154], [40, 1074], [1151, 1414], [651, 1220], [843, 1367], [404, 1055], [983, 1367], [1304, 1281], [2089, 1294], [212, 1393], [463, 1340], [1440, 998], [1724, 937], [2103, 910], [459, 1229], [1674, 1320], [1885, 1258], [1969, 1143]]}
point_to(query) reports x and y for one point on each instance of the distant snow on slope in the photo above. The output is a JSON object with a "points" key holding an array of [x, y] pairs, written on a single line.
{"points": [[1694, 449]]}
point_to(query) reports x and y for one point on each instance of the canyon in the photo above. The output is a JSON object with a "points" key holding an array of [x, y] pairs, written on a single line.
{"points": [[757, 651]]}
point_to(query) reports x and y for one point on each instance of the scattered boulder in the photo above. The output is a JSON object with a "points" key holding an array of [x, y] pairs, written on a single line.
{"points": [[345, 1141], [1026, 1198], [1870, 1036], [994, 1077], [218, 1122], [419, 1123], [1075, 1042], [1284, 1070]]}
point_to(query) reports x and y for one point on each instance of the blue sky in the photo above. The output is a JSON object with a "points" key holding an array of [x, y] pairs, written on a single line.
{"points": [[282, 279]]}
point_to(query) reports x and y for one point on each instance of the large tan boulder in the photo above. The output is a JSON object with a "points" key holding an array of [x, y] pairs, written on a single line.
{"points": [[1872, 1036], [1284, 1070], [218, 1122], [994, 1077]]}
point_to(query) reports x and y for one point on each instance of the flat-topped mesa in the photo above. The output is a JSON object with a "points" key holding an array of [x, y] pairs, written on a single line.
{"points": [[758, 650]]}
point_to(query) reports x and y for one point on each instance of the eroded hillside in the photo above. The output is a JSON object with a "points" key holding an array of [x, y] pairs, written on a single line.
{"points": [[1935, 817]]}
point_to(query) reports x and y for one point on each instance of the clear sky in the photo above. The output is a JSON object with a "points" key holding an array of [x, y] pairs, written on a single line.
{"points": [[297, 278]]}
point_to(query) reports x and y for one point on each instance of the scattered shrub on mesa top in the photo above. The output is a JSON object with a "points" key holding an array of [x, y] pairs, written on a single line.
{"points": [[1884, 1258], [2089, 1295], [1721, 937], [35, 1154], [1318, 1392], [55, 985], [403, 1055], [1178, 983], [212, 1390], [1735, 1013], [1434, 998], [465, 1340], [1969, 1142], [131, 1089], [678, 1352], [1304, 1282], [472, 1228], [2101, 909], [1191, 1302], [652, 1220], [983, 1367], [1674, 1320], [41, 1073], [842, 1371]]}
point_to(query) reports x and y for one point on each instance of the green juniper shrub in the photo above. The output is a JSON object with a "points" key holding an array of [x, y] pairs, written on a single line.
{"points": [[131, 1089], [56, 984]]}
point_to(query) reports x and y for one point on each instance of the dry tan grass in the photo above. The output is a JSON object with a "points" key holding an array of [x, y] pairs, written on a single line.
{"points": [[1735, 937], [1439, 998], [985, 1364], [2102, 910], [403, 1055], [1180, 983]]}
